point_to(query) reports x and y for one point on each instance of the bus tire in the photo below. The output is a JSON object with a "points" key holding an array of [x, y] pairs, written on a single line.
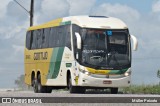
{"points": [[35, 85], [114, 90], [73, 89], [41, 89]]}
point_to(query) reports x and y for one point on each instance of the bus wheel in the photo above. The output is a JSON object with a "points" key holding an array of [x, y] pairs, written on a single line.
{"points": [[114, 90], [35, 85], [73, 89], [41, 89]]}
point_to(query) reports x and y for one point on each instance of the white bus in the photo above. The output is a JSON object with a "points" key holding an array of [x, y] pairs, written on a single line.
{"points": [[79, 52]]}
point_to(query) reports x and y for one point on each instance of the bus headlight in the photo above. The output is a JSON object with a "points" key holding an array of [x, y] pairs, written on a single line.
{"points": [[85, 72], [127, 73]]}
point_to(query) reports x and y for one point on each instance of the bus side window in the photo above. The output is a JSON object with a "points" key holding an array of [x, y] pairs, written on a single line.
{"points": [[34, 42], [59, 36], [28, 38], [52, 36], [63, 33], [45, 38], [67, 37], [39, 38]]}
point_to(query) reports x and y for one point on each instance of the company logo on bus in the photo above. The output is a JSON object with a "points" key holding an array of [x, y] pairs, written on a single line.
{"points": [[40, 55]]}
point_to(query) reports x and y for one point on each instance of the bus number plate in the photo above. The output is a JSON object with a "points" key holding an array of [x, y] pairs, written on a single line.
{"points": [[107, 82]]}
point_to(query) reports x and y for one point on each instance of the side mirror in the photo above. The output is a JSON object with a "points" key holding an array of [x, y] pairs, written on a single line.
{"points": [[135, 42], [78, 40]]}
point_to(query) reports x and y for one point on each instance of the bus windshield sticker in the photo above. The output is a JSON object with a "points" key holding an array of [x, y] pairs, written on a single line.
{"points": [[109, 33]]}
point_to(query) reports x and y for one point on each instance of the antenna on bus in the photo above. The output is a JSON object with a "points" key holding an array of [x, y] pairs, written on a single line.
{"points": [[30, 12]]}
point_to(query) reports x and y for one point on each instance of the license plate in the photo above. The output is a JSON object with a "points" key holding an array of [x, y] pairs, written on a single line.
{"points": [[107, 82]]}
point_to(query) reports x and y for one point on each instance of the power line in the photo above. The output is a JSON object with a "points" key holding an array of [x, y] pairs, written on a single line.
{"points": [[30, 12], [22, 6]]}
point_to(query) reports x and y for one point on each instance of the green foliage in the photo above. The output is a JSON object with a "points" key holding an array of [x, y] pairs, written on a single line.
{"points": [[141, 89], [158, 73]]}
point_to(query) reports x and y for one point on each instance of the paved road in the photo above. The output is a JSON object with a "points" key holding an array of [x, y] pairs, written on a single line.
{"points": [[92, 95]]}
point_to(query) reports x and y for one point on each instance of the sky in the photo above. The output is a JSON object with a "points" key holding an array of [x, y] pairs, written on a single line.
{"points": [[141, 16]]}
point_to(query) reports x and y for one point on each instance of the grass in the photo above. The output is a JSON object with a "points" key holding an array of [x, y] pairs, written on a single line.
{"points": [[141, 89]]}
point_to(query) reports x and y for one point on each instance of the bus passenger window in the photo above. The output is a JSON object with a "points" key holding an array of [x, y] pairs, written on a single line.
{"points": [[67, 36], [28, 38], [34, 42], [45, 38], [39, 38]]}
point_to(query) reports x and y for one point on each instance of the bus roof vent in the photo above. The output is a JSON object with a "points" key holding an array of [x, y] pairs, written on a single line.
{"points": [[98, 16]]}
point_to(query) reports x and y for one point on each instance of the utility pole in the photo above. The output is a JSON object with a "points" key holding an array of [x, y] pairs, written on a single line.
{"points": [[31, 12]]}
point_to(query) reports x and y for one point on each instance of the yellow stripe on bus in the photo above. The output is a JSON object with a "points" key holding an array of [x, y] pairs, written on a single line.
{"points": [[47, 25], [94, 71]]}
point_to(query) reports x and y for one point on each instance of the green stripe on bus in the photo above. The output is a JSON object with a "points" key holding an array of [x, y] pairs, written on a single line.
{"points": [[118, 71], [58, 62], [65, 23], [55, 62]]}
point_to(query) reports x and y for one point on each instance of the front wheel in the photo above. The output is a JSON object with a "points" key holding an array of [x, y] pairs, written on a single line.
{"points": [[74, 89]]}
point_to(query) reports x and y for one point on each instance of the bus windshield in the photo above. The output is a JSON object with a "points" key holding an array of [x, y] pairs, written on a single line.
{"points": [[105, 49]]}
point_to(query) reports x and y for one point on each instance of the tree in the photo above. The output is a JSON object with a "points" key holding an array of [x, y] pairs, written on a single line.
{"points": [[158, 75], [20, 83]]}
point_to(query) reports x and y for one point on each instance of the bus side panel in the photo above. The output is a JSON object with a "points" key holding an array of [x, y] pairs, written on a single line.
{"points": [[30, 66], [61, 62], [27, 74], [37, 61], [42, 59]]}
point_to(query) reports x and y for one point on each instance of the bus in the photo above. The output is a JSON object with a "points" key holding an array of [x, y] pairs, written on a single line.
{"points": [[79, 53]]}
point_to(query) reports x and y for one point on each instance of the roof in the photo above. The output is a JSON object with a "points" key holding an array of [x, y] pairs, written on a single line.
{"points": [[102, 22]]}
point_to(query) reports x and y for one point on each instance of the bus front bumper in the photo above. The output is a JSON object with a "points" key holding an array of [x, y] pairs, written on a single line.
{"points": [[89, 81]]}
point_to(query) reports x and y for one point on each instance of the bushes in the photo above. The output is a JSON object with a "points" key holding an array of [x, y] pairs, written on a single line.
{"points": [[141, 89]]}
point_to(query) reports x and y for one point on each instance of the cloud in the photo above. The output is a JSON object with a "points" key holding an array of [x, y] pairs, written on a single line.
{"points": [[51, 9], [117, 10], [81, 7], [17, 49], [156, 6], [18, 14], [3, 7]]}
